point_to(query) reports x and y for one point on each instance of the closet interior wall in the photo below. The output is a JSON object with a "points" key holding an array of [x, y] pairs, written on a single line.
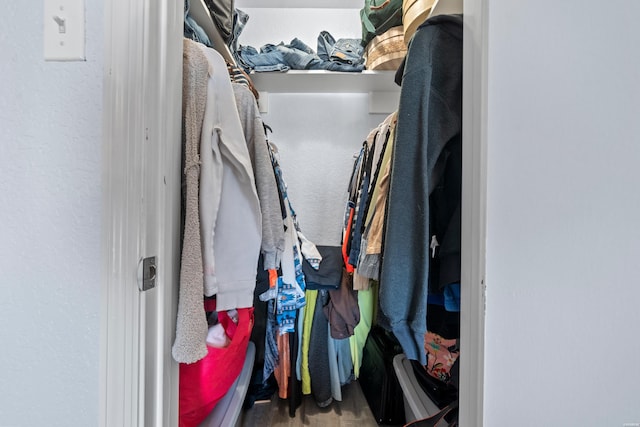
{"points": [[317, 136], [319, 131]]}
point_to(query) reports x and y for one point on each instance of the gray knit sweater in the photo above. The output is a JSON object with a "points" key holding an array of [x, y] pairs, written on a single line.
{"points": [[266, 186]]}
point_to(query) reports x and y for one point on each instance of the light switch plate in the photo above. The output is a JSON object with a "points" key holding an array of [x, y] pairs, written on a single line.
{"points": [[64, 30]]}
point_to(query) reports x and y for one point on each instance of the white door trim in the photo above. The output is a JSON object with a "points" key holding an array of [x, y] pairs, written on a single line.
{"points": [[141, 210], [474, 194]]}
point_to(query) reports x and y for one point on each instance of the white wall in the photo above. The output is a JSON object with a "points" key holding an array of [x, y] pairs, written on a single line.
{"points": [[317, 136], [563, 240], [50, 207], [302, 23]]}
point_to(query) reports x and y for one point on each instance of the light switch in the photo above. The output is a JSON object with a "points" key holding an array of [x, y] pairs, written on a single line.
{"points": [[64, 34]]}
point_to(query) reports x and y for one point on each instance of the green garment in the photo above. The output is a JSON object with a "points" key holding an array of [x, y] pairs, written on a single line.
{"points": [[311, 297], [367, 303]]}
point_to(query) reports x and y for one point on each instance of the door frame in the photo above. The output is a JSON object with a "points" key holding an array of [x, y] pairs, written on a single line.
{"points": [[141, 175], [141, 199], [474, 195]]}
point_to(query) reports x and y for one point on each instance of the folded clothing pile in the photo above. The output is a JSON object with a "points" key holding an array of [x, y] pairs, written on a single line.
{"points": [[332, 55]]}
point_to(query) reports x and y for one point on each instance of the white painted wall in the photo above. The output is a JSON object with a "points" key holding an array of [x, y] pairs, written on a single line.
{"points": [[317, 136], [50, 208], [317, 133], [273, 25], [563, 203]]}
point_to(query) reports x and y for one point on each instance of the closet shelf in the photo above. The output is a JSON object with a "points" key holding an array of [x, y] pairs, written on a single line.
{"points": [[321, 81], [299, 4]]}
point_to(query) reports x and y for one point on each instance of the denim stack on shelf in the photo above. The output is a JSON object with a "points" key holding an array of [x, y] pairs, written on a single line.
{"points": [[331, 55]]}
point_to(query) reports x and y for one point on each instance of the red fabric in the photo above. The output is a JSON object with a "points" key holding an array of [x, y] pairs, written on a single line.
{"points": [[345, 242], [209, 304], [205, 382]]}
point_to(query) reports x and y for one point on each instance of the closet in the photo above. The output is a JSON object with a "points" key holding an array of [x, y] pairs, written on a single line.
{"points": [[319, 121], [334, 111]]}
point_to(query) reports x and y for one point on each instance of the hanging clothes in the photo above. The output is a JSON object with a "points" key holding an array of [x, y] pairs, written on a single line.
{"points": [[369, 263], [287, 299], [191, 325], [366, 302], [378, 141], [308, 317], [223, 221], [429, 118], [291, 285], [230, 216], [272, 245], [319, 365]]}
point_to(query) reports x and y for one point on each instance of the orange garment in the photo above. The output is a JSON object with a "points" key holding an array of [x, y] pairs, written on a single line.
{"points": [[282, 372], [345, 241]]}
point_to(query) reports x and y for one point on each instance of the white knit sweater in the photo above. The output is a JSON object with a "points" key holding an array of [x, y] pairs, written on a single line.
{"points": [[230, 219]]}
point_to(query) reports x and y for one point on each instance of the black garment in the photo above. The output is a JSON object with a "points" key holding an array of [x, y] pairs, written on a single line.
{"points": [[442, 322], [444, 219], [260, 313], [319, 370], [260, 388], [295, 386], [222, 14], [330, 272]]}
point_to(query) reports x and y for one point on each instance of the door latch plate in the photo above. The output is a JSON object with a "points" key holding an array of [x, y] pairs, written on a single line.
{"points": [[147, 272]]}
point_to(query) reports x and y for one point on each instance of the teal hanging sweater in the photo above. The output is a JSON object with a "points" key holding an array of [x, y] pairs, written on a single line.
{"points": [[429, 119]]}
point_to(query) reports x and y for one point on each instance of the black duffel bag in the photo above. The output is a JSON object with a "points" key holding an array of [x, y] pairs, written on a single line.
{"points": [[378, 379]]}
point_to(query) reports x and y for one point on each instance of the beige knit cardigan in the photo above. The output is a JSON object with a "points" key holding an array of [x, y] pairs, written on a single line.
{"points": [[191, 325]]}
